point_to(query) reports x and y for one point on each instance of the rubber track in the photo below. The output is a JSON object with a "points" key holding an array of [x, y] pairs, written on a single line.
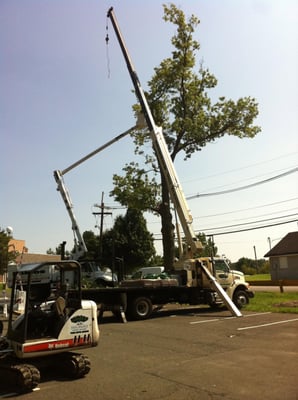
{"points": [[20, 378], [76, 365]]}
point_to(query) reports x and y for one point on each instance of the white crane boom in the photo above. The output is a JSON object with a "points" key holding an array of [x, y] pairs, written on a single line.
{"points": [[168, 170], [161, 149]]}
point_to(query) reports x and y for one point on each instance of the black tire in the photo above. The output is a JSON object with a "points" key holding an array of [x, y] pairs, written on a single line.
{"points": [[100, 283], [240, 298], [141, 308]]}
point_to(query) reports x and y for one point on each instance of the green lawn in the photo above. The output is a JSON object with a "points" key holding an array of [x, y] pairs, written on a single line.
{"points": [[274, 302], [258, 277]]}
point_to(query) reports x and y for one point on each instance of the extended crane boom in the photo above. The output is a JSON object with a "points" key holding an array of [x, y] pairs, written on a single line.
{"points": [[161, 149], [168, 170], [80, 245]]}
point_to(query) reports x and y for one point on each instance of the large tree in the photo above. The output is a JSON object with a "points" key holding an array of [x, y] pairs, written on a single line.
{"points": [[178, 95]]}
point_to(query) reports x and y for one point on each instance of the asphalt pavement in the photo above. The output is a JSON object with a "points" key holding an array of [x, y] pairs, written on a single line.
{"points": [[186, 353]]}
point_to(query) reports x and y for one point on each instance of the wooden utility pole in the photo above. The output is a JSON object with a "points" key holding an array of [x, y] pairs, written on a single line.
{"points": [[102, 214]]}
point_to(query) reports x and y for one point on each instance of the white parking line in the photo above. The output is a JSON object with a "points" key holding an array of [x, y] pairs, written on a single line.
{"points": [[225, 318], [264, 325], [205, 320]]}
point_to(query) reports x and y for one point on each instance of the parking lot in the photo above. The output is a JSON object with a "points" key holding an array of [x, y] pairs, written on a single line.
{"points": [[187, 353]]}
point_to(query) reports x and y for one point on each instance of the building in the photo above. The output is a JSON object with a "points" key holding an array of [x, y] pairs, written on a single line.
{"points": [[17, 246], [283, 258], [23, 257]]}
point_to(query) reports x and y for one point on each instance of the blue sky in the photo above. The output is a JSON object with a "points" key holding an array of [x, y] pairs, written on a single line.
{"points": [[64, 93]]}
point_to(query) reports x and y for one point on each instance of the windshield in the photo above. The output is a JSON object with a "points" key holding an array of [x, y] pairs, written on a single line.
{"points": [[221, 265]]}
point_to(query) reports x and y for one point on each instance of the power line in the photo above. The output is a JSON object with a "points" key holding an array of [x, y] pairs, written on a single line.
{"points": [[259, 176], [247, 209], [259, 216], [239, 230], [254, 228], [244, 187], [241, 168], [249, 223]]}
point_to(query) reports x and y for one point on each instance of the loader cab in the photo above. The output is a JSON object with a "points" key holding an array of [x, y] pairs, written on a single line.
{"points": [[46, 305]]}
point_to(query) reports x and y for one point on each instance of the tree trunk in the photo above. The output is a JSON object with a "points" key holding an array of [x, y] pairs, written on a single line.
{"points": [[167, 228]]}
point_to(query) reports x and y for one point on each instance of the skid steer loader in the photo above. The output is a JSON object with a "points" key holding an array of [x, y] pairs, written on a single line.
{"points": [[54, 325]]}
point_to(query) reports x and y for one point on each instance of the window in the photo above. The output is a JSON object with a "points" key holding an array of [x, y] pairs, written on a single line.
{"points": [[283, 262]]}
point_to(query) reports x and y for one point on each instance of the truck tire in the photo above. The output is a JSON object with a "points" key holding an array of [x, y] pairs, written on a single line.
{"points": [[100, 283], [140, 308], [240, 298]]}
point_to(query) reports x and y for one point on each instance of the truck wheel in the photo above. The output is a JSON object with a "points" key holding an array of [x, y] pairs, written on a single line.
{"points": [[141, 308], [100, 283], [240, 298]]}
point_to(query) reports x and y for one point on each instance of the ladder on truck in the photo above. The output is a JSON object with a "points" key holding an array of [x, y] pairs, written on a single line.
{"points": [[166, 164]]}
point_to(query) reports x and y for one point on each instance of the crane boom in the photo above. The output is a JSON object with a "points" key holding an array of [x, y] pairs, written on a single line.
{"points": [[80, 245], [160, 148], [168, 170]]}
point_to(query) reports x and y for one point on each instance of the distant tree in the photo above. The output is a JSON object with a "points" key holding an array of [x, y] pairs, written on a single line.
{"points": [[50, 251], [130, 240], [6, 254], [250, 267], [209, 247], [92, 244], [179, 98]]}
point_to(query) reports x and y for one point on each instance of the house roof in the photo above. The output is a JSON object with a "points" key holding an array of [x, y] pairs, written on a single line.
{"points": [[30, 258], [288, 245]]}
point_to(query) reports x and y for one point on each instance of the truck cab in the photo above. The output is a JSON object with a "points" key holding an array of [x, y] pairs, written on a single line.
{"points": [[92, 273], [232, 281]]}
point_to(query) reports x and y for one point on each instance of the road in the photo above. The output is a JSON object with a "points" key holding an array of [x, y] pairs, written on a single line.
{"points": [[287, 289], [187, 353]]}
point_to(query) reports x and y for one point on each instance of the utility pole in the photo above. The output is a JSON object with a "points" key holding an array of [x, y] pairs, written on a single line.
{"points": [[102, 213], [255, 251]]}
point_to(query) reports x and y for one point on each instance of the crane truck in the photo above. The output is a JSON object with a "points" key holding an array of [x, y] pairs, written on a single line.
{"points": [[193, 280]]}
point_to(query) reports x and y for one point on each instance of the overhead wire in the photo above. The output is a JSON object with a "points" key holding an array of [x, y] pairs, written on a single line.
{"points": [[242, 168], [253, 228], [246, 209], [242, 180], [249, 223], [291, 171]]}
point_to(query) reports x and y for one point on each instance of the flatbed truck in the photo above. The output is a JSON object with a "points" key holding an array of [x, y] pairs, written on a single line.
{"points": [[138, 298]]}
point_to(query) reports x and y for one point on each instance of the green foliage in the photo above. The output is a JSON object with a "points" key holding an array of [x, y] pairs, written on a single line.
{"points": [[251, 267], [6, 254], [179, 99], [50, 251], [130, 240], [93, 245], [135, 189], [209, 247]]}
